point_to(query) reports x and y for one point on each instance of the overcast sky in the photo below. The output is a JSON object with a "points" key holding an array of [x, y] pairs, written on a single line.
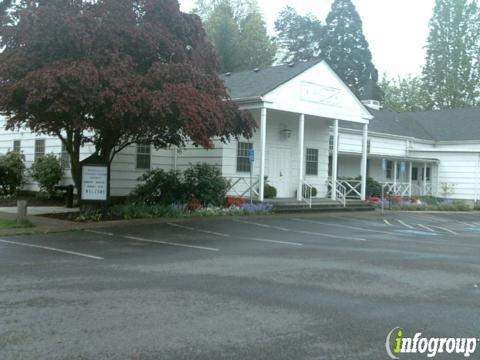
{"points": [[396, 29]]}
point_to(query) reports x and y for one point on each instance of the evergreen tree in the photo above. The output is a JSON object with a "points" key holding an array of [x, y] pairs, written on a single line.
{"points": [[255, 48], [451, 73], [345, 48], [223, 31], [238, 32], [404, 94], [298, 37]]}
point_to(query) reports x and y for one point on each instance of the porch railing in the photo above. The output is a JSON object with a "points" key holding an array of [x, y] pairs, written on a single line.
{"points": [[353, 188], [240, 186], [307, 193], [397, 189], [340, 191]]}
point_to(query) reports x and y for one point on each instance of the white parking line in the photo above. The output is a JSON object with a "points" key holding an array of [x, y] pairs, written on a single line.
{"points": [[51, 249], [198, 230], [169, 243], [404, 224], [426, 228], [304, 232], [99, 232], [342, 226], [269, 241], [444, 229], [262, 225], [387, 222], [234, 236]]}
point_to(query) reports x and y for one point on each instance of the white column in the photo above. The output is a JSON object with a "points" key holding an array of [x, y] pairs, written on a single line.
{"points": [[335, 160], [263, 143], [425, 179], [301, 144], [410, 171], [364, 162]]}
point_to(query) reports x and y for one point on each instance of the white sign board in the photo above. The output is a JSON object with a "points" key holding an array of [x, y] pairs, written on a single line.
{"points": [[94, 183]]}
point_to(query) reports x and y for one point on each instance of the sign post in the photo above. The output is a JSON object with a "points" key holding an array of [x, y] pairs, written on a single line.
{"points": [[95, 184], [251, 158]]}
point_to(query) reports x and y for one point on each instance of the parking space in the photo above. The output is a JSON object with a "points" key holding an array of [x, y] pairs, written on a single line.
{"points": [[320, 286]]}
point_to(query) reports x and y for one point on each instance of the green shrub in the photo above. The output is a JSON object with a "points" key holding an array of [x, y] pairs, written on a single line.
{"points": [[374, 188], [269, 191], [159, 187], [205, 183], [47, 171], [12, 171]]}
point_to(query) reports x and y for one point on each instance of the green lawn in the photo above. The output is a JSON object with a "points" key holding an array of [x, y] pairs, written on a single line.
{"points": [[12, 224]]}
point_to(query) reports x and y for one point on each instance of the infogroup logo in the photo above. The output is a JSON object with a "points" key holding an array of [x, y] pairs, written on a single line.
{"points": [[397, 343]]}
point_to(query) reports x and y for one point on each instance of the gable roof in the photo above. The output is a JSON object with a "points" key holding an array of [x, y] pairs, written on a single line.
{"points": [[253, 84], [439, 125]]}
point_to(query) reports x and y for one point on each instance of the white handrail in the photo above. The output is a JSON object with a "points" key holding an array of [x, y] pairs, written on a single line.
{"points": [[307, 193], [340, 191]]}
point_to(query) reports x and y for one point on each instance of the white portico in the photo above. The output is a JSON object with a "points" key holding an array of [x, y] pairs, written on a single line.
{"points": [[295, 107]]}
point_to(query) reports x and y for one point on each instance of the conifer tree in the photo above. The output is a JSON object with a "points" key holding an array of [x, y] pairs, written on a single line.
{"points": [[298, 36], [451, 71], [345, 48]]}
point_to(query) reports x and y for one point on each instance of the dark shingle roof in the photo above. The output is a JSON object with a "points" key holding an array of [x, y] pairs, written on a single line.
{"points": [[253, 84], [441, 125], [451, 125]]}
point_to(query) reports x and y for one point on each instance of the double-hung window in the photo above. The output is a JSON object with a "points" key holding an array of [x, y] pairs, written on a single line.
{"points": [[311, 164], [143, 156], [243, 160], [39, 148], [17, 146]]}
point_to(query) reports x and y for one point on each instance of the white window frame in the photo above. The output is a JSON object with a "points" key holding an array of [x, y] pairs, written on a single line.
{"points": [[242, 158], [307, 161], [19, 142], [39, 154], [142, 152]]}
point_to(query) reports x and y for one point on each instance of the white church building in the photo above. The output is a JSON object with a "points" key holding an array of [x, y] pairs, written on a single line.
{"points": [[312, 132]]}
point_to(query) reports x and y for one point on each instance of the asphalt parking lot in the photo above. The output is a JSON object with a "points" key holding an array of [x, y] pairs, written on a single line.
{"points": [[327, 286]]}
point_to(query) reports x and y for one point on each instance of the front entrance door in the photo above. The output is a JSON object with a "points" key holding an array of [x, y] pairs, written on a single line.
{"points": [[279, 163]]}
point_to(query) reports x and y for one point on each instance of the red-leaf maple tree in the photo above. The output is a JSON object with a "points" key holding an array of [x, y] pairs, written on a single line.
{"points": [[112, 73]]}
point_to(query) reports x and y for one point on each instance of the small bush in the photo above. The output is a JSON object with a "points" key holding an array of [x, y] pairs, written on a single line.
{"points": [[374, 188], [159, 187], [202, 183], [269, 191], [205, 183], [12, 171], [47, 171]]}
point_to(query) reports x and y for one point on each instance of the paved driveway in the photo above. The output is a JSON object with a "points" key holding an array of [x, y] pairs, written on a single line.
{"points": [[290, 287]]}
